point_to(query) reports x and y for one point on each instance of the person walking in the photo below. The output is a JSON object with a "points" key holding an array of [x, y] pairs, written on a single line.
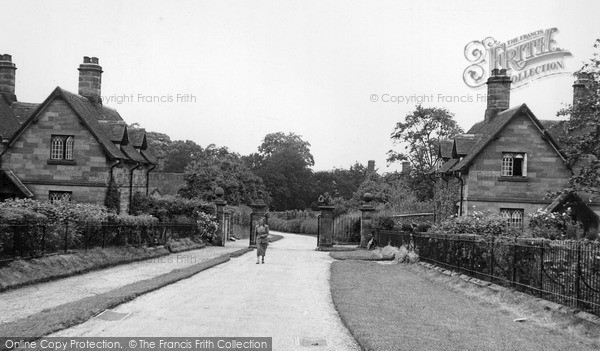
{"points": [[262, 240]]}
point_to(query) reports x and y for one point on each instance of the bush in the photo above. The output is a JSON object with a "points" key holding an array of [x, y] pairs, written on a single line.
{"points": [[480, 223], [384, 223], [553, 225], [170, 208]]}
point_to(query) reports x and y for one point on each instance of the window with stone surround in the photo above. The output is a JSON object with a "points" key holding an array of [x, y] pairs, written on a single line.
{"points": [[60, 195], [514, 164], [61, 147], [514, 216]]}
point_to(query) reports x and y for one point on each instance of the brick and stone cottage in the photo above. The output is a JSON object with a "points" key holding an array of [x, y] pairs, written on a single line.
{"points": [[70, 146], [509, 162]]}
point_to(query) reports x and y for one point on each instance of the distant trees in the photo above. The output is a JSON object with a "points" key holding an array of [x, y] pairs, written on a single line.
{"points": [[420, 135], [283, 162]]}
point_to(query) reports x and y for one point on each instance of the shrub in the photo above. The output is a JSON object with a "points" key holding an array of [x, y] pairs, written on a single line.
{"points": [[170, 208], [384, 223], [486, 224], [554, 225]]}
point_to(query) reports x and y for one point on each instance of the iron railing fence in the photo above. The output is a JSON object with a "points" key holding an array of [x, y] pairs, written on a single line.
{"points": [[346, 229], [566, 272], [37, 240]]}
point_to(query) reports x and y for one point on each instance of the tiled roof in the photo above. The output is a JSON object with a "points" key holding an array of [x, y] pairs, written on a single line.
{"points": [[137, 137], [9, 123], [463, 144], [445, 149], [114, 130], [133, 154], [149, 156], [105, 123], [489, 129], [448, 165], [23, 110]]}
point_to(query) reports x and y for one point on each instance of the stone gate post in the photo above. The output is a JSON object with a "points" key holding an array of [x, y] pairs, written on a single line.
{"points": [[220, 204], [325, 230], [259, 210], [366, 220]]}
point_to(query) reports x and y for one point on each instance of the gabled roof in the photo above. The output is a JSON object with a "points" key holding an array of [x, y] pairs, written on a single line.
{"points": [[463, 144], [133, 154], [490, 129], [448, 165], [105, 124], [137, 137], [445, 149], [17, 182]]}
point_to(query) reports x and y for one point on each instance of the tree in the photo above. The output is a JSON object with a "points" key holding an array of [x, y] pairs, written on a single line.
{"points": [[181, 153], [217, 167], [283, 162], [420, 134], [583, 128]]}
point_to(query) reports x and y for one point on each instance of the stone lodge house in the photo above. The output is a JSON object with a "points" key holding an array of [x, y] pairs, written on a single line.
{"points": [[508, 162], [70, 146]]}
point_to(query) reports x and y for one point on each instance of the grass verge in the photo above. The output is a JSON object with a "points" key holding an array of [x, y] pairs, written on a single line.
{"points": [[76, 312], [361, 254], [38, 270]]}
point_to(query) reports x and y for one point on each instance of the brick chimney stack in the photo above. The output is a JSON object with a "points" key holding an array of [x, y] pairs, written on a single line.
{"points": [[371, 166], [581, 88], [498, 96], [7, 78], [90, 79]]}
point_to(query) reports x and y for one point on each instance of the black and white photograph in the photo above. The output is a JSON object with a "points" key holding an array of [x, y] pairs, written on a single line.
{"points": [[289, 175]]}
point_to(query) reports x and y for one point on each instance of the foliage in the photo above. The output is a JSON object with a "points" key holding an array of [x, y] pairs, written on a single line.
{"points": [[421, 134], [112, 201], [283, 162], [60, 211], [221, 168], [208, 225], [583, 129], [480, 223], [446, 197], [339, 182], [169, 208], [9, 215], [383, 223], [306, 225], [554, 225], [129, 220]]}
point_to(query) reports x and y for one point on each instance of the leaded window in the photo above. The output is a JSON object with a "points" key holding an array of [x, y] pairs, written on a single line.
{"points": [[514, 164], [514, 216], [61, 147]]}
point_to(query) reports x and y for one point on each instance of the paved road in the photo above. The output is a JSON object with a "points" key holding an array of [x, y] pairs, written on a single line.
{"points": [[22, 302], [287, 298]]}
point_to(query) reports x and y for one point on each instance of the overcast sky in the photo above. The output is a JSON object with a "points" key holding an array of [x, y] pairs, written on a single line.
{"points": [[308, 67]]}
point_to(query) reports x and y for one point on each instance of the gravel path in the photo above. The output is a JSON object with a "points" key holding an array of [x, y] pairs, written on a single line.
{"points": [[287, 298], [22, 302]]}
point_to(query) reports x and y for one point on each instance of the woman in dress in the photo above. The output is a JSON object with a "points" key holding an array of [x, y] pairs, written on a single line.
{"points": [[262, 240]]}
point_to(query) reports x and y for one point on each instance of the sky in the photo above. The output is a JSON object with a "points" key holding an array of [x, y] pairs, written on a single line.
{"points": [[228, 72]]}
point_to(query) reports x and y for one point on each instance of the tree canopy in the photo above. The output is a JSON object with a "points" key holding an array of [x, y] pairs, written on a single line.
{"points": [[583, 128], [420, 135], [283, 162]]}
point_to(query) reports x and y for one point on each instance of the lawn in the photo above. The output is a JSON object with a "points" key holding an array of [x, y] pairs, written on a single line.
{"points": [[395, 307]]}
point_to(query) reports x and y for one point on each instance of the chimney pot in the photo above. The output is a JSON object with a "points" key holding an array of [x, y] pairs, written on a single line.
{"points": [[90, 79]]}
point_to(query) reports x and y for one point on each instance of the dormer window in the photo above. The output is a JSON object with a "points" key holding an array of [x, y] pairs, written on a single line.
{"points": [[514, 164]]}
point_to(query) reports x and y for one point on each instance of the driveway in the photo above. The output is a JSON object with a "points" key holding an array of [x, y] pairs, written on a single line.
{"points": [[287, 298]]}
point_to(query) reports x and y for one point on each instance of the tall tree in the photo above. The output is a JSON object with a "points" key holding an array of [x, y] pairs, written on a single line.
{"points": [[583, 127], [283, 162], [420, 135], [217, 167]]}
